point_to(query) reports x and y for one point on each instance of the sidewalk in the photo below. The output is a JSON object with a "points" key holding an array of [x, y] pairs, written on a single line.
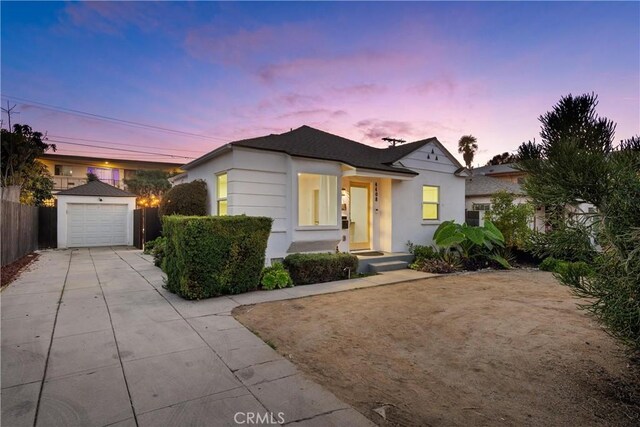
{"points": [[90, 337]]}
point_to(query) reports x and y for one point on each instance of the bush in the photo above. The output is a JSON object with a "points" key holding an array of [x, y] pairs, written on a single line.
{"points": [[510, 218], [275, 277], [566, 241], [549, 264], [572, 273], [422, 252], [214, 255], [185, 199], [476, 246], [438, 266], [306, 269], [158, 251]]}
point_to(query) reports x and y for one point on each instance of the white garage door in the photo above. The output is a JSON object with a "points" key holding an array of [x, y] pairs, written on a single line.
{"points": [[96, 225]]}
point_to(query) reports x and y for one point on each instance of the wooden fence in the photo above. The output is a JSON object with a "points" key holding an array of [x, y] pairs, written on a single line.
{"points": [[47, 227], [18, 230], [146, 226]]}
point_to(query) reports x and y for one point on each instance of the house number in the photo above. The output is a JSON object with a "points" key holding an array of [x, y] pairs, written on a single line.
{"points": [[375, 191]]}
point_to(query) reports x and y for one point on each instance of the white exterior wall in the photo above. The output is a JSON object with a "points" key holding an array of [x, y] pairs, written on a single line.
{"points": [[407, 223], [63, 201], [207, 171]]}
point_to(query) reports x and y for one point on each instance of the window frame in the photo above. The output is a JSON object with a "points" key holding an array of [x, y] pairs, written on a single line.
{"points": [[337, 224], [475, 206], [222, 199], [58, 167], [437, 204]]}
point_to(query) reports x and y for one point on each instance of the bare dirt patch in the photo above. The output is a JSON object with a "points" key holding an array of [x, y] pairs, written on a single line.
{"points": [[482, 349], [10, 272]]}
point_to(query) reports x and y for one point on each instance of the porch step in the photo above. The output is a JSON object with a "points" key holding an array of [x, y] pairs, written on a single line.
{"points": [[379, 267]]}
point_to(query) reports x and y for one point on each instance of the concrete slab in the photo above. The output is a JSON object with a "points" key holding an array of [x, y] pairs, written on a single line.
{"points": [[229, 339], [27, 329], [248, 356], [205, 307], [80, 294], [128, 315], [14, 306], [78, 353], [19, 405], [218, 409], [153, 339], [23, 363], [32, 287], [297, 397], [265, 372], [160, 381], [98, 398], [215, 322], [82, 316], [344, 417]]}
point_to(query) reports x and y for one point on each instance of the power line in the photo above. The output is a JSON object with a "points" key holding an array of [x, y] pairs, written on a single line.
{"points": [[119, 149], [126, 145], [111, 119]]}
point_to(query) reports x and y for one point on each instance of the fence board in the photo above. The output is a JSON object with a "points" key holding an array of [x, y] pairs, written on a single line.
{"points": [[18, 231]]}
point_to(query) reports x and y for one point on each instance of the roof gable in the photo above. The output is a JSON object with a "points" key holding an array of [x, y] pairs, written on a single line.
{"points": [[95, 188]]}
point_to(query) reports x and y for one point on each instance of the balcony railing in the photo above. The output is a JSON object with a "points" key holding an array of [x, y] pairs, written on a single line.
{"points": [[66, 182]]}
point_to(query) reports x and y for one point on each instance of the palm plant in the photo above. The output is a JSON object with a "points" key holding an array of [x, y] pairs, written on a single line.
{"points": [[468, 145]]}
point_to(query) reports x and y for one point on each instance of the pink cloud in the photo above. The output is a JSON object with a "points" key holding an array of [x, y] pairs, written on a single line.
{"points": [[302, 114], [361, 89], [374, 130]]}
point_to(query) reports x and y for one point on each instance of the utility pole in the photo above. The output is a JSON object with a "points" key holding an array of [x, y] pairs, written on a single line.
{"points": [[9, 111], [393, 141]]}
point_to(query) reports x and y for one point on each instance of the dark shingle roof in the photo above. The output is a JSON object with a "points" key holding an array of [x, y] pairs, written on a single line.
{"points": [[312, 143], [481, 185], [495, 169], [95, 188]]}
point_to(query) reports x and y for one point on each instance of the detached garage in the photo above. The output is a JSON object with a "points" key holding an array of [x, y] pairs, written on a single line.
{"points": [[95, 214]]}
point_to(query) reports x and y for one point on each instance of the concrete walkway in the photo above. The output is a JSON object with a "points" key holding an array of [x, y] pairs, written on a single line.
{"points": [[90, 338]]}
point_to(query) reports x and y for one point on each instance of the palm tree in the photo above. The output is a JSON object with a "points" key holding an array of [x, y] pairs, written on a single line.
{"points": [[468, 145]]}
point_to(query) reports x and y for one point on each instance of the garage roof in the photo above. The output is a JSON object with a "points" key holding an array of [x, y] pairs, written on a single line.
{"points": [[95, 188]]}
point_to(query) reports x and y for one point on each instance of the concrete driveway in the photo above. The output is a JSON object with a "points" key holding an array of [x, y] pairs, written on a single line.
{"points": [[89, 337]]}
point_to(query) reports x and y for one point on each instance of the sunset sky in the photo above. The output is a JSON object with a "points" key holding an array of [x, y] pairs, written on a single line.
{"points": [[216, 72]]}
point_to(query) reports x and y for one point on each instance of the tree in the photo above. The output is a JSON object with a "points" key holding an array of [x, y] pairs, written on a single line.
{"points": [[577, 162], [18, 165], [511, 219], [149, 186], [502, 159], [92, 177], [468, 145]]}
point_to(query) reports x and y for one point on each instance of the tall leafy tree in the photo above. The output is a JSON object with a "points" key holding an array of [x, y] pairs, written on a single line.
{"points": [[149, 186], [503, 159], [468, 146], [576, 161], [18, 165]]}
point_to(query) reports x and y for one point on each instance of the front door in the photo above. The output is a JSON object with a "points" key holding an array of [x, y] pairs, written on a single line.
{"points": [[360, 221]]}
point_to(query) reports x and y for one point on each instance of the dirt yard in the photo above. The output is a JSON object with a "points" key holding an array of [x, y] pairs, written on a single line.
{"points": [[481, 349]]}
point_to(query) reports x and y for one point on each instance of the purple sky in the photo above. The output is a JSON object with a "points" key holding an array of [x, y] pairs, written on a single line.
{"points": [[360, 70]]}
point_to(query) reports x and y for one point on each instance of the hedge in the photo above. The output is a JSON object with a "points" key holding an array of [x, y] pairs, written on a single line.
{"points": [[185, 199], [214, 255], [306, 269]]}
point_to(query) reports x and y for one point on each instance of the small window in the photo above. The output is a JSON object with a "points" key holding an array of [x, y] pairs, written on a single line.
{"points": [[221, 187], [63, 170], [430, 202], [317, 199], [481, 207]]}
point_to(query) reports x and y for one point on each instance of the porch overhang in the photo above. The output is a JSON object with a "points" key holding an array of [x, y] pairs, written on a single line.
{"points": [[349, 171]]}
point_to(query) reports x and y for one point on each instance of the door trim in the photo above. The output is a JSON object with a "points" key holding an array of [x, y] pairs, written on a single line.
{"points": [[361, 245]]}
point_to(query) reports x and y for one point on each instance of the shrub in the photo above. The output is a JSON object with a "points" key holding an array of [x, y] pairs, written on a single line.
{"points": [[158, 251], [185, 199], [549, 264], [510, 218], [306, 269], [572, 273], [214, 255], [422, 252], [476, 246], [275, 277], [567, 241], [438, 266]]}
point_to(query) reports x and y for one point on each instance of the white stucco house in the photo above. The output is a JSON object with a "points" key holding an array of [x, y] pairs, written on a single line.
{"points": [[95, 214], [326, 192]]}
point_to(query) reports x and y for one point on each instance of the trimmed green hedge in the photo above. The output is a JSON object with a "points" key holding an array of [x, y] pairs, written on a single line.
{"points": [[306, 269], [214, 255], [185, 199]]}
